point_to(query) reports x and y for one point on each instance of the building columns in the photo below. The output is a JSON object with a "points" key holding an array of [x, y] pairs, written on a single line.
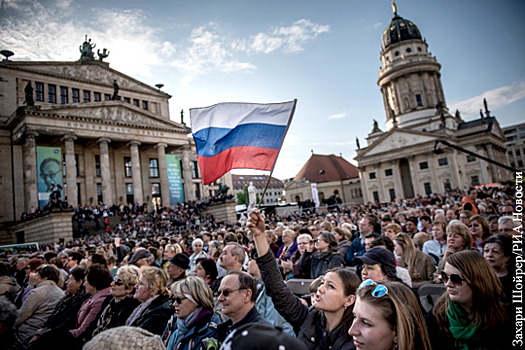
{"points": [[189, 191], [71, 176], [136, 172], [163, 174], [107, 191], [30, 171]]}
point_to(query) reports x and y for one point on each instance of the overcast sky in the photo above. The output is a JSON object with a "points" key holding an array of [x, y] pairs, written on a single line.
{"points": [[324, 53]]}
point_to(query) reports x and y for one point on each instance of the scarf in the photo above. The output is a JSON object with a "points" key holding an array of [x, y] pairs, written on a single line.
{"points": [[464, 332], [63, 305], [138, 311], [183, 326], [105, 318]]}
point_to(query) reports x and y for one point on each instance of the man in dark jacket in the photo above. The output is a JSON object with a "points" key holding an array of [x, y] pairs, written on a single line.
{"points": [[238, 292]]}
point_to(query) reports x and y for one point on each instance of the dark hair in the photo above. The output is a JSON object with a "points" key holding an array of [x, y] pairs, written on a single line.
{"points": [[209, 266], [49, 255], [503, 241], [78, 273], [246, 281], [412, 219], [329, 238], [76, 256], [426, 218], [51, 272], [373, 235], [383, 241], [8, 313], [350, 284], [98, 258], [4, 268], [98, 276]]}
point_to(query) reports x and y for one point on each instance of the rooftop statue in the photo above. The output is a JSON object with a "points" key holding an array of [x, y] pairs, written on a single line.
{"points": [[104, 54], [86, 50]]}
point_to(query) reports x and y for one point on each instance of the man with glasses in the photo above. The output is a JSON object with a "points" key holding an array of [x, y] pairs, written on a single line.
{"points": [[237, 295], [314, 231], [506, 209]]}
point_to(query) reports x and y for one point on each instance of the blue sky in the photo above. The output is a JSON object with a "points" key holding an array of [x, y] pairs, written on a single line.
{"points": [[324, 53]]}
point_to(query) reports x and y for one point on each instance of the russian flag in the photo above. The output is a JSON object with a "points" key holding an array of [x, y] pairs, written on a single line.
{"points": [[239, 136]]}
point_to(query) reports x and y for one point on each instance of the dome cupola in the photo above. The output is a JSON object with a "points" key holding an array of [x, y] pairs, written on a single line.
{"points": [[398, 30]]}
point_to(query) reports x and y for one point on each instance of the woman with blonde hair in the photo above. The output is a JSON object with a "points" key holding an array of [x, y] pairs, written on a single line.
{"points": [[289, 247], [420, 266], [387, 315], [155, 309], [194, 324], [470, 314], [458, 238], [392, 229]]}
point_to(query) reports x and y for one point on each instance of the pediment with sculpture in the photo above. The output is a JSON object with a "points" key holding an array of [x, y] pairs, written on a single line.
{"points": [[396, 139]]}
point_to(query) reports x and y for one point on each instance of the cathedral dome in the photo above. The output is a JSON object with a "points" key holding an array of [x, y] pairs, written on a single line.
{"points": [[399, 30]]}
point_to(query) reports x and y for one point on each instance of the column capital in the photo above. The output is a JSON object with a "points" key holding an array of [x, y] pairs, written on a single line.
{"points": [[104, 139], [161, 145], [68, 137], [31, 134], [133, 143]]}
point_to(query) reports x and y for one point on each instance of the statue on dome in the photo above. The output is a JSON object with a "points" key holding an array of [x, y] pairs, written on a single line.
{"points": [[86, 50], [394, 7], [104, 54]]}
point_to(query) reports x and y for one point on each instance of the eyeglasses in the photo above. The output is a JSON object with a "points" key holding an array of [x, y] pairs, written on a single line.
{"points": [[379, 291], [118, 281], [507, 213], [227, 292], [179, 300], [454, 278]]}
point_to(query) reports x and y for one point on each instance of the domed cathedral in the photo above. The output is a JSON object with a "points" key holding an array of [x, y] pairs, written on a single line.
{"points": [[405, 161]]}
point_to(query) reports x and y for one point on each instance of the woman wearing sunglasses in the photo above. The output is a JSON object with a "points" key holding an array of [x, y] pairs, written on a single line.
{"points": [[323, 326], [194, 325], [117, 307], [387, 316], [470, 314]]}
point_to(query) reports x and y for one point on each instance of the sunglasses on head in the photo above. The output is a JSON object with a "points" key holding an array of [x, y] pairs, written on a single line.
{"points": [[379, 291], [118, 281], [455, 278], [179, 300]]}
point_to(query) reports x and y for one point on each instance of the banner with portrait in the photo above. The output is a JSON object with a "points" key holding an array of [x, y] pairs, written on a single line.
{"points": [[174, 179], [49, 169]]}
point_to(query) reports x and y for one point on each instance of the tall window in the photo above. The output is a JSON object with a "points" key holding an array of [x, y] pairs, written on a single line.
{"points": [[197, 189], [418, 100], [195, 170], [428, 188], [52, 93], [39, 91], [99, 194], [97, 166], [63, 95], [475, 180], [96, 96], [144, 104], [107, 97], [376, 196], [470, 158], [392, 192], [129, 193], [153, 167], [447, 185], [75, 95], [388, 172], [127, 166], [87, 96], [135, 102], [372, 175]]}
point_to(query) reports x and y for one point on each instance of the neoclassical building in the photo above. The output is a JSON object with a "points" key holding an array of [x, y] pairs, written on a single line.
{"points": [[401, 162], [83, 131]]}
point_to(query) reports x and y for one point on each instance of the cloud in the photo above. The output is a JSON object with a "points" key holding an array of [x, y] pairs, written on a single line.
{"points": [[290, 39], [337, 116], [377, 25], [496, 98], [53, 31]]}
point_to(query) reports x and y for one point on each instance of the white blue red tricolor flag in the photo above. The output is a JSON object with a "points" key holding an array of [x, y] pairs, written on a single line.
{"points": [[239, 136]]}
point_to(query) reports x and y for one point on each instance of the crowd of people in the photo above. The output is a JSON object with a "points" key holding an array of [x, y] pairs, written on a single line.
{"points": [[427, 273]]}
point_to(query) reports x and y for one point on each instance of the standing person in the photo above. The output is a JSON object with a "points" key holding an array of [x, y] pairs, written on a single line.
{"points": [[326, 256], [388, 316], [469, 201], [323, 326], [470, 312], [194, 324], [437, 246], [198, 253], [40, 302], [420, 265], [480, 230], [156, 308]]}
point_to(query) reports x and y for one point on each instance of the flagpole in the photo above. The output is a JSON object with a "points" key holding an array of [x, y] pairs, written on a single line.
{"points": [[280, 147]]}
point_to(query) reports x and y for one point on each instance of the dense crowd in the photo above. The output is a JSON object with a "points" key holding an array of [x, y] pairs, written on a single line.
{"points": [[433, 272]]}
